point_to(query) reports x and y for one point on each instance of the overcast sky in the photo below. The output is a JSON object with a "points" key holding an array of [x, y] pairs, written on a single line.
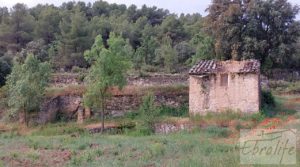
{"points": [[176, 6]]}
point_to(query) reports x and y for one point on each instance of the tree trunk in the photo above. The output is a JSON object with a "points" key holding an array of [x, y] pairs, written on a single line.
{"points": [[26, 118], [22, 118], [102, 117], [87, 113]]}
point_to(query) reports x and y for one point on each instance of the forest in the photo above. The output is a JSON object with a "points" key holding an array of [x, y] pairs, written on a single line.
{"points": [[155, 39], [102, 84]]}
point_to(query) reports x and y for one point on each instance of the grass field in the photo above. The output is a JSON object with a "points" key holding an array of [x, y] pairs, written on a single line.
{"points": [[68, 144]]}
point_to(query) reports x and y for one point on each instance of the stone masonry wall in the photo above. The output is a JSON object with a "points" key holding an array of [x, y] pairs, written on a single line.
{"points": [[207, 94]]}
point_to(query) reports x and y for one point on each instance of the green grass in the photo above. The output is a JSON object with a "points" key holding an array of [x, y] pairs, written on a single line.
{"points": [[181, 149], [59, 129], [284, 87]]}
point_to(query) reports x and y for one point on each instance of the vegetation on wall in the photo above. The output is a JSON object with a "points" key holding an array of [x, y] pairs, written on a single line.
{"points": [[26, 85]]}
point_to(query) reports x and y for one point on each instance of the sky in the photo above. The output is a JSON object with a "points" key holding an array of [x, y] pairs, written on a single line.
{"points": [[174, 6]]}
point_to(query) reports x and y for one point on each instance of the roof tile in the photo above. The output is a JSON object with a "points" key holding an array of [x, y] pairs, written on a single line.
{"points": [[215, 66]]}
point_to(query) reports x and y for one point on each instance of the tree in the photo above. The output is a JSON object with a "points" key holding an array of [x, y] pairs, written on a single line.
{"points": [[185, 51], [48, 24], [27, 83], [5, 69], [172, 27], [37, 48], [108, 70], [166, 55], [21, 27], [149, 113], [204, 48], [75, 39], [149, 43], [262, 29]]}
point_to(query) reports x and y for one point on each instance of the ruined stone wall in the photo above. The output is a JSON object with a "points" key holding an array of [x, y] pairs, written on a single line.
{"points": [[68, 106], [208, 94]]}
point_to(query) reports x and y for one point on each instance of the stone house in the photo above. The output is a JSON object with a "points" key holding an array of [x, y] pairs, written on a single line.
{"points": [[216, 86]]}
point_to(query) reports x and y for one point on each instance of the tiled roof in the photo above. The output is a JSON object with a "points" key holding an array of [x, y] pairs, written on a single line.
{"points": [[215, 66], [250, 66]]}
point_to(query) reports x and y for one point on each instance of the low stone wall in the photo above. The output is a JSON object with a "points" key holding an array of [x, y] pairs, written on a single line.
{"points": [[68, 106], [166, 128], [66, 79], [158, 79], [61, 106]]}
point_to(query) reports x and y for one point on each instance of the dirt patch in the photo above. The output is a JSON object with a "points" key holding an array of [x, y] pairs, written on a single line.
{"points": [[26, 157], [98, 125]]}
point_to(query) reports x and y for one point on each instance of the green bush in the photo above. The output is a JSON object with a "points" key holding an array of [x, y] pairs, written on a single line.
{"points": [[215, 131], [268, 104], [181, 111], [267, 99], [148, 114], [149, 68]]}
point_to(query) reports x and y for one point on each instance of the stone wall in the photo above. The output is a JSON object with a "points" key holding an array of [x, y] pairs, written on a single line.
{"points": [[207, 94], [67, 79], [64, 79], [64, 107], [67, 106], [158, 79]]}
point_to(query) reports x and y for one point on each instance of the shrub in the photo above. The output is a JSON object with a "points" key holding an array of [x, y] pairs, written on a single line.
{"points": [[148, 114], [214, 131], [267, 99], [149, 68], [181, 111]]}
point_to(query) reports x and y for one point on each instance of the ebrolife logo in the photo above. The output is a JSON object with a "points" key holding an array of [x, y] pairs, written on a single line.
{"points": [[272, 147]]}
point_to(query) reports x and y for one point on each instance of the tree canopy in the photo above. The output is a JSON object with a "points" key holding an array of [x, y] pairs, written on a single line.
{"points": [[254, 29], [27, 83], [108, 70], [266, 30]]}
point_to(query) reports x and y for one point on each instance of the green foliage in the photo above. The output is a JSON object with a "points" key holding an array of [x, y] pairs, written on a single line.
{"points": [[27, 83], [204, 48], [166, 55], [148, 113], [5, 69], [182, 111], [259, 29], [17, 30], [48, 24], [285, 87], [234, 28], [267, 99], [74, 39], [109, 67], [214, 131], [59, 129]]}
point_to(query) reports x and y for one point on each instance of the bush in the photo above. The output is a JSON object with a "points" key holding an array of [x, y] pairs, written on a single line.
{"points": [[214, 131], [148, 114], [149, 68], [5, 69], [181, 111], [267, 99]]}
